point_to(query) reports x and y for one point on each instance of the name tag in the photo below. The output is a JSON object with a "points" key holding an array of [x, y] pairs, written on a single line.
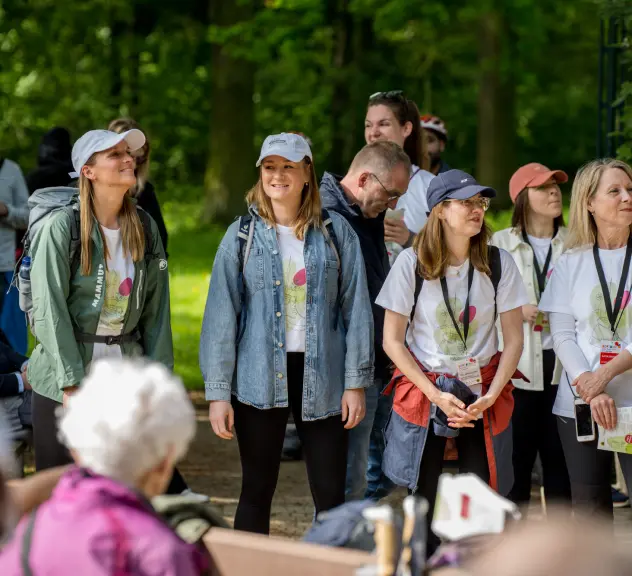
{"points": [[609, 351], [542, 323], [469, 372]]}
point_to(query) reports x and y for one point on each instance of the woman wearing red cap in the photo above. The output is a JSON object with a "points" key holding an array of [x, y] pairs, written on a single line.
{"points": [[536, 241]]}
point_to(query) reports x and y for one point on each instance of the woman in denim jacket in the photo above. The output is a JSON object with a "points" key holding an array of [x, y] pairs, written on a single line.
{"points": [[287, 326]]}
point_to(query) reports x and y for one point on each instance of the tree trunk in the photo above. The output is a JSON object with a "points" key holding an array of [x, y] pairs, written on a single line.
{"points": [[230, 169], [496, 141]]}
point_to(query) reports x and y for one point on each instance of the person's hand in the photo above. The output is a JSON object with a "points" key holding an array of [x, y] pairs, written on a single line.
{"points": [[396, 231], [4, 210], [25, 380], [529, 314], [454, 409], [589, 385], [68, 392], [222, 417], [604, 411], [482, 404], [353, 407]]}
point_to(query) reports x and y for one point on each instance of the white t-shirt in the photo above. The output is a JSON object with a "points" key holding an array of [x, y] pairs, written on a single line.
{"points": [[415, 201], [574, 289], [541, 249], [433, 338], [295, 288], [119, 281]]}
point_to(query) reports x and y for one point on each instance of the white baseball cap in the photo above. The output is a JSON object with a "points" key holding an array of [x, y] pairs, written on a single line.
{"points": [[291, 146], [100, 140]]}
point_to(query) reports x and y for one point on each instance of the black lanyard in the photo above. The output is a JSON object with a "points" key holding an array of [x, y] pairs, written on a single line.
{"points": [[466, 310], [540, 274], [612, 314]]}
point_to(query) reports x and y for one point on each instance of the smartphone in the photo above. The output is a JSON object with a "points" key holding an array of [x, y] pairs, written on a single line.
{"points": [[395, 214], [584, 423]]}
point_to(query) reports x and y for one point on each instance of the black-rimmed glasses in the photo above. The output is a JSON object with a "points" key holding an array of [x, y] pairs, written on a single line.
{"points": [[389, 193]]}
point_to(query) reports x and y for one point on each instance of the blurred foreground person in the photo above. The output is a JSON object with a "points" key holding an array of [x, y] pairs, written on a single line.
{"points": [[126, 427], [558, 546]]}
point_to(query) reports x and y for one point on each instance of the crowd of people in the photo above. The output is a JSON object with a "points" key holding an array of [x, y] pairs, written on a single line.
{"points": [[375, 310]]}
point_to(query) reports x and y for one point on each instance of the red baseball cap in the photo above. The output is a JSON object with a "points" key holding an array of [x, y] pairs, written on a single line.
{"points": [[532, 175]]}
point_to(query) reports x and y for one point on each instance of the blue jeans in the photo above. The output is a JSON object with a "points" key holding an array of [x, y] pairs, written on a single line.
{"points": [[366, 447]]}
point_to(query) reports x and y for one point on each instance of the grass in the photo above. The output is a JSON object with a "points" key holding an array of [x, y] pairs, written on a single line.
{"points": [[191, 253]]}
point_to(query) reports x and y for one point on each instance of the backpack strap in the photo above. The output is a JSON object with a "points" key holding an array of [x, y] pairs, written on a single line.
{"points": [[330, 237], [419, 282], [74, 216], [245, 234], [495, 265], [27, 540]]}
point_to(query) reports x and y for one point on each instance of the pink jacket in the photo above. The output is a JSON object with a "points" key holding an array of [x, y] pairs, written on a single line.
{"points": [[96, 526]]}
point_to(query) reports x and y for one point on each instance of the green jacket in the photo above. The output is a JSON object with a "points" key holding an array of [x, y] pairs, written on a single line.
{"points": [[62, 303]]}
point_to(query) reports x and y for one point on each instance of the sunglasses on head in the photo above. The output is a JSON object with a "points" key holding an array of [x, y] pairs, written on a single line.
{"points": [[390, 95]]}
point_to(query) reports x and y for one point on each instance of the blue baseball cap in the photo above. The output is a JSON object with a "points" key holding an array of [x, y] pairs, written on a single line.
{"points": [[455, 185]]}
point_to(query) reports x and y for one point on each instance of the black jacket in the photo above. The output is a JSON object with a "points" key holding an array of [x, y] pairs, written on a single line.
{"points": [[10, 361], [53, 161], [370, 231], [148, 201]]}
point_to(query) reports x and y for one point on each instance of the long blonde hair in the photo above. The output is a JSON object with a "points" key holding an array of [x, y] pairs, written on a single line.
{"points": [[309, 214], [582, 230], [433, 256], [131, 227], [142, 170]]}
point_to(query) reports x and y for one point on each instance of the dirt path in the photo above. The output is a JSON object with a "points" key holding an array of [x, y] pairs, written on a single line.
{"points": [[212, 467]]}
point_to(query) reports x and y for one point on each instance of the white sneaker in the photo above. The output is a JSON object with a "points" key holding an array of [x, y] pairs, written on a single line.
{"points": [[195, 496]]}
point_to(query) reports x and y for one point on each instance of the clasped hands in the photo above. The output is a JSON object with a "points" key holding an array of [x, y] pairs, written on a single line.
{"points": [[460, 416]]}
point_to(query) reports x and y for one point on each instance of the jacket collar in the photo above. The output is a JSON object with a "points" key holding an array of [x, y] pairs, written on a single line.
{"points": [[515, 240]]}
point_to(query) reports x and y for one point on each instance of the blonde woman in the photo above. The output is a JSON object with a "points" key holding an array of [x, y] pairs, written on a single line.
{"points": [[143, 191], [441, 298], [287, 327], [535, 241], [588, 301], [108, 299]]}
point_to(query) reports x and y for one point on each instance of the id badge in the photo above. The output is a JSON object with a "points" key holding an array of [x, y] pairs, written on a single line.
{"points": [[542, 323], [609, 351], [469, 372]]}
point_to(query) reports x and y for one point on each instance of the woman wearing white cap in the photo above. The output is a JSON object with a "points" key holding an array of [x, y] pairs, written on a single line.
{"points": [[99, 280], [287, 326]]}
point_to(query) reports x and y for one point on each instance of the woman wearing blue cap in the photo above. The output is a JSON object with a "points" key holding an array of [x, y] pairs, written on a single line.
{"points": [[98, 279], [287, 327], [450, 378]]}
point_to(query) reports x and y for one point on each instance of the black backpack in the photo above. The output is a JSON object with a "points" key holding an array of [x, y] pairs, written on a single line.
{"points": [[496, 272]]}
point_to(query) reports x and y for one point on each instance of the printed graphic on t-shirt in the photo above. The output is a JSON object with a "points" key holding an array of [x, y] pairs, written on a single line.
{"points": [[117, 295], [295, 284], [446, 336], [599, 318]]}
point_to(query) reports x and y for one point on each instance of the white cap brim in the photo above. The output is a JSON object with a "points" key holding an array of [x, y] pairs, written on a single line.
{"points": [[283, 152]]}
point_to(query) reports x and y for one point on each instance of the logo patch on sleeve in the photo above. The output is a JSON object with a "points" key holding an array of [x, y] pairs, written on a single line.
{"points": [[162, 265]]}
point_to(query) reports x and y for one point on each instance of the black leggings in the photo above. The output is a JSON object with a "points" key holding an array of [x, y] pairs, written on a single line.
{"points": [[590, 471], [470, 444], [50, 452], [260, 436], [535, 430]]}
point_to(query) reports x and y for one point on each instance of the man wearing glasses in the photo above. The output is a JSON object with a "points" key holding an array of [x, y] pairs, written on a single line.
{"points": [[377, 177]]}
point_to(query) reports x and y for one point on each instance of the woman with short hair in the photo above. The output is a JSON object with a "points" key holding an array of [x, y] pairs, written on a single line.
{"points": [[587, 298], [441, 298], [536, 241], [126, 427]]}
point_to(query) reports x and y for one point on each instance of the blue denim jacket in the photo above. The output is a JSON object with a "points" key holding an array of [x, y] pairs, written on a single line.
{"points": [[254, 369]]}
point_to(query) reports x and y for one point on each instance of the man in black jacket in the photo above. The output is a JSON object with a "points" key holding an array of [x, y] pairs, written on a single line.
{"points": [[15, 390], [377, 177]]}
